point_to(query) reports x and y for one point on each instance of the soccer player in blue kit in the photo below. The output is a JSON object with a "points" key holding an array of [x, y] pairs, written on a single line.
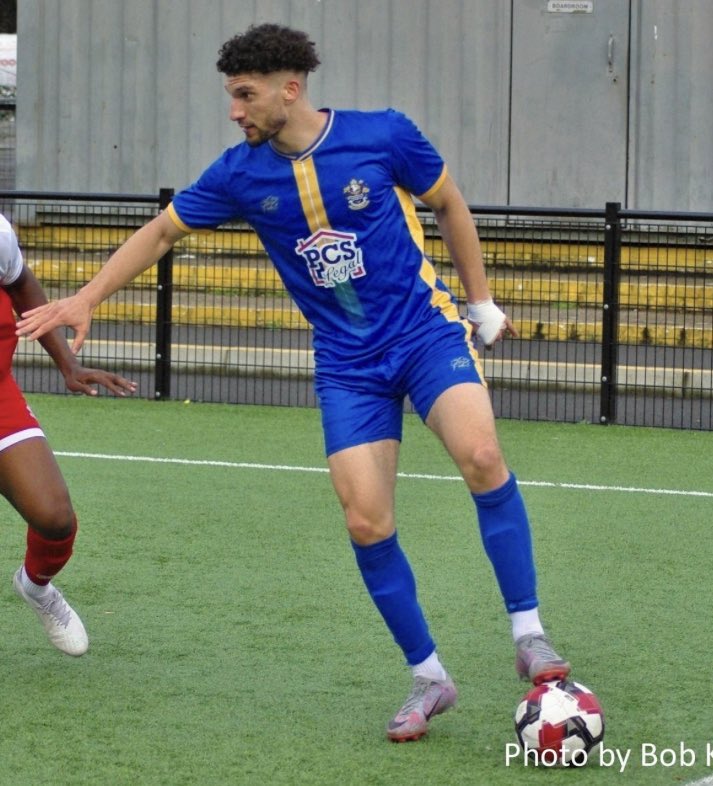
{"points": [[329, 193]]}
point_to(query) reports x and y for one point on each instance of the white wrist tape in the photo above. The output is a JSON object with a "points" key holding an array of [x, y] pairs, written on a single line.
{"points": [[489, 319]]}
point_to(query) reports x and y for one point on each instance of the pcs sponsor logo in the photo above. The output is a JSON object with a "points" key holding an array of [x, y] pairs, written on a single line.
{"points": [[332, 257]]}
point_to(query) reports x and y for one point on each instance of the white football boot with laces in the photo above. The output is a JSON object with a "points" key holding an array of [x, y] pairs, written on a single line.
{"points": [[61, 623]]}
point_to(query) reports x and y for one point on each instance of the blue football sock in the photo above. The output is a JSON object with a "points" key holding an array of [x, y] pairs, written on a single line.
{"points": [[392, 586], [505, 531]]}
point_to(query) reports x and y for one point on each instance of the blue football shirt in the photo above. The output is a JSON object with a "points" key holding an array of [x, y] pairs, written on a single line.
{"points": [[339, 223]]}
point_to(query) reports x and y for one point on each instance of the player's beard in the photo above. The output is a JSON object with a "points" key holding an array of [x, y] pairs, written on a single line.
{"points": [[271, 129]]}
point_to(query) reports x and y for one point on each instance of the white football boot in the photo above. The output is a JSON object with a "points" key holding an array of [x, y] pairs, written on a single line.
{"points": [[61, 623]]}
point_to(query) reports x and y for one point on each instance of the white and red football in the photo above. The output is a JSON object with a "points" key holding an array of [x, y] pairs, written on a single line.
{"points": [[559, 723]]}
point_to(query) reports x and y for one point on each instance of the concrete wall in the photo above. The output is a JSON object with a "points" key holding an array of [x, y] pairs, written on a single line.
{"points": [[528, 103]]}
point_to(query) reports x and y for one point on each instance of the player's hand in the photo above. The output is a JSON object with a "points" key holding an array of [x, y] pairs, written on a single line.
{"points": [[490, 322], [80, 380], [74, 312]]}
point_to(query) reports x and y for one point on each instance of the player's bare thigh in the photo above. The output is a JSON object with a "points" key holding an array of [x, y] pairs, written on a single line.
{"points": [[364, 477], [462, 417], [31, 480]]}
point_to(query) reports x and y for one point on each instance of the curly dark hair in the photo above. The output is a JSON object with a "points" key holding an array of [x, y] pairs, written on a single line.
{"points": [[267, 48]]}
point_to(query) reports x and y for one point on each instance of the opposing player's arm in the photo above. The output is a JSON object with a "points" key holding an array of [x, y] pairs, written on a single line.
{"points": [[26, 292], [142, 250], [458, 231]]}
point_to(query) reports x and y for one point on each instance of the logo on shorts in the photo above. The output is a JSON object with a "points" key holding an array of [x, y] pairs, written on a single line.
{"points": [[332, 257], [461, 362]]}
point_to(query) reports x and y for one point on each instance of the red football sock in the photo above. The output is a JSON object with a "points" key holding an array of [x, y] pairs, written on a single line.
{"points": [[45, 558]]}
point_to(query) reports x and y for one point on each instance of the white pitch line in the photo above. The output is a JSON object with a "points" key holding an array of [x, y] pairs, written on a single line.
{"points": [[629, 489], [707, 781], [409, 475]]}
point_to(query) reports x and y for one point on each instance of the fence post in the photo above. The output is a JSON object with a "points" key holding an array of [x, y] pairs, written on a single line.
{"points": [[610, 313], [164, 301]]}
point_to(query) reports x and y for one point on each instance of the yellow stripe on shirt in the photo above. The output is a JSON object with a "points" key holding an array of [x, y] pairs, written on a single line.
{"points": [[173, 215], [409, 210], [171, 210], [439, 299], [310, 195], [432, 190]]}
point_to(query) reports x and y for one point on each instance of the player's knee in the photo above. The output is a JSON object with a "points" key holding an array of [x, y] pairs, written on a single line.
{"points": [[54, 519], [364, 530], [484, 465]]}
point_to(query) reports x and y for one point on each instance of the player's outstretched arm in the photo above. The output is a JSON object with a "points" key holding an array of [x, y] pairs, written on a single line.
{"points": [[81, 379], [461, 238], [143, 249], [26, 292], [73, 311]]}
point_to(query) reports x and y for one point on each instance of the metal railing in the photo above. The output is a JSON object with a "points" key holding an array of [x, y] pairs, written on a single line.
{"points": [[614, 309], [618, 322], [7, 141]]}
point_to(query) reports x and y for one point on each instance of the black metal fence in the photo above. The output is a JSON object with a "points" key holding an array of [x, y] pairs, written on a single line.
{"points": [[614, 309], [7, 141], [615, 313]]}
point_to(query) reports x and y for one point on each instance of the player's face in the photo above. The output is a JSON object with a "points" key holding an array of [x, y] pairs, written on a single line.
{"points": [[257, 105]]}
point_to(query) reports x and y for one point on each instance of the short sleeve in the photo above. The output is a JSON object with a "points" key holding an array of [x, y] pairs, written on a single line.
{"points": [[417, 165], [10, 255], [206, 203]]}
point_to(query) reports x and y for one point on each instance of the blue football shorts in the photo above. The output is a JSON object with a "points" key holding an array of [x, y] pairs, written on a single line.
{"points": [[364, 402]]}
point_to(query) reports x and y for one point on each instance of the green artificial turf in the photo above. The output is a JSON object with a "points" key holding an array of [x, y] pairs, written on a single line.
{"points": [[233, 643]]}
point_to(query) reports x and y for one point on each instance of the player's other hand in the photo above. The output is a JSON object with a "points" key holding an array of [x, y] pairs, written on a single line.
{"points": [[490, 322], [74, 312], [80, 380]]}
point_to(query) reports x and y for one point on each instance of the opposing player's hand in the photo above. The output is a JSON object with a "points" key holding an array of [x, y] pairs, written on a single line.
{"points": [[490, 322], [74, 312], [80, 380]]}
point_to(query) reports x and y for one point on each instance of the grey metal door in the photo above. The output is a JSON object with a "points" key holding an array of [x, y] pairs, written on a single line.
{"points": [[568, 130]]}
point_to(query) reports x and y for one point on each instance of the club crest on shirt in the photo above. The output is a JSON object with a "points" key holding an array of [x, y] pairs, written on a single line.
{"points": [[356, 194], [332, 257]]}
